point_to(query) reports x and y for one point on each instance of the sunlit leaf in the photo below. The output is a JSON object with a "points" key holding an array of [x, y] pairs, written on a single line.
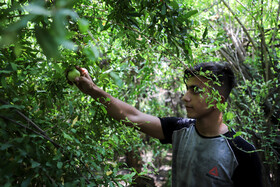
{"points": [[83, 25], [37, 10], [75, 120], [190, 13]]}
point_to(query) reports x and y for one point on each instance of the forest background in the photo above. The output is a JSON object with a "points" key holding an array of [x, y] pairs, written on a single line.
{"points": [[53, 134]]}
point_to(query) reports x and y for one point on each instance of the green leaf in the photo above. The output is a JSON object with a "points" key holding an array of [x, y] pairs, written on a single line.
{"points": [[11, 106], [83, 25], [68, 45], [174, 4], [37, 10], [68, 137], [117, 79], [47, 42], [91, 51], [14, 66], [20, 24], [3, 83], [190, 13], [5, 71], [238, 133], [26, 182], [59, 165], [205, 33], [48, 164], [163, 9], [228, 116], [103, 109], [34, 164], [111, 184], [68, 12], [71, 108], [5, 146]]}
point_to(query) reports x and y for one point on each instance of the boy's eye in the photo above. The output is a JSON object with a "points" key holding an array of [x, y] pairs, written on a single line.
{"points": [[194, 89], [197, 90]]}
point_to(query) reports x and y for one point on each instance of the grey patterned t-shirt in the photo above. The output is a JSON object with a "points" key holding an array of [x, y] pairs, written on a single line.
{"points": [[200, 161]]}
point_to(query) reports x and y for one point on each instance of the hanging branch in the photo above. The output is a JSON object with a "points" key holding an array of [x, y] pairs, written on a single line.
{"points": [[243, 27], [55, 144], [237, 44], [45, 136]]}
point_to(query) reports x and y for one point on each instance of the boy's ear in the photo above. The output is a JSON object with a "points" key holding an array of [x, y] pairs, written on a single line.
{"points": [[223, 100]]}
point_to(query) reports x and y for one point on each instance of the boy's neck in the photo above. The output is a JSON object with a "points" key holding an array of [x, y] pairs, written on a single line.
{"points": [[212, 125]]}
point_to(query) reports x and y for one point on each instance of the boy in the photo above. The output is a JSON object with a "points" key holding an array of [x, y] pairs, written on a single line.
{"points": [[204, 151]]}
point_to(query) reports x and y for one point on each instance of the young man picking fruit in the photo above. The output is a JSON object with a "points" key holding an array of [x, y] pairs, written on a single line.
{"points": [[205, 153]]}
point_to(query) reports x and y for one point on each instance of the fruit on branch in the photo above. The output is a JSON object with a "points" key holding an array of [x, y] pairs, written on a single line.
{"points": [[72, 74]]}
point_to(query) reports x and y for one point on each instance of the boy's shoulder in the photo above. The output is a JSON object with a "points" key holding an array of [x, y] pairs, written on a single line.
{"points": [[238, 143]]}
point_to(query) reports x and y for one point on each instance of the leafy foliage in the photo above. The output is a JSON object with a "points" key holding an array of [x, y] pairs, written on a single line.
{"points": [[52, 134]]}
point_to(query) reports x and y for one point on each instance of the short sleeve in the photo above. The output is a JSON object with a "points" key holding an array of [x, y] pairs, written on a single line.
{"points": [[249, 170], [171, 124]]}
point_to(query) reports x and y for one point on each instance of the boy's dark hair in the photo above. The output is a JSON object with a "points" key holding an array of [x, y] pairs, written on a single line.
{"points": [[219, 73]]}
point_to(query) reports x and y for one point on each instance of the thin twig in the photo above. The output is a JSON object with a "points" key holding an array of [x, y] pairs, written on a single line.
{"points": [[32, 123], [242, 5]]}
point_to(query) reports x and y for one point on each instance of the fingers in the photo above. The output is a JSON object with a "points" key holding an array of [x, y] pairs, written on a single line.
{"points": [[84, 81], [84, 72]]}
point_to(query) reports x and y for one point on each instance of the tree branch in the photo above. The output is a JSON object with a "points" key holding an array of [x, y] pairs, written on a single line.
{"points": [[45, 136], [27, 119], [276, 27], [243, 27]]}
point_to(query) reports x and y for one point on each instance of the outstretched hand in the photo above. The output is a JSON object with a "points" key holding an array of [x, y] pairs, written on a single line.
{"points": [[84, 82], [118, 109]]}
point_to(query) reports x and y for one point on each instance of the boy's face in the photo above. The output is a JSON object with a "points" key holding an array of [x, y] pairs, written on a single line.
{"points": [[197, 99]]}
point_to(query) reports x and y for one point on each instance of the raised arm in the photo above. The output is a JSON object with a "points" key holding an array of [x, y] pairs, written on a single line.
{"points": [[118, 109]]}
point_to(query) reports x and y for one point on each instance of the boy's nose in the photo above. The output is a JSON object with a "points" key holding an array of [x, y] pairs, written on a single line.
{"points": [[186, 97]]}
